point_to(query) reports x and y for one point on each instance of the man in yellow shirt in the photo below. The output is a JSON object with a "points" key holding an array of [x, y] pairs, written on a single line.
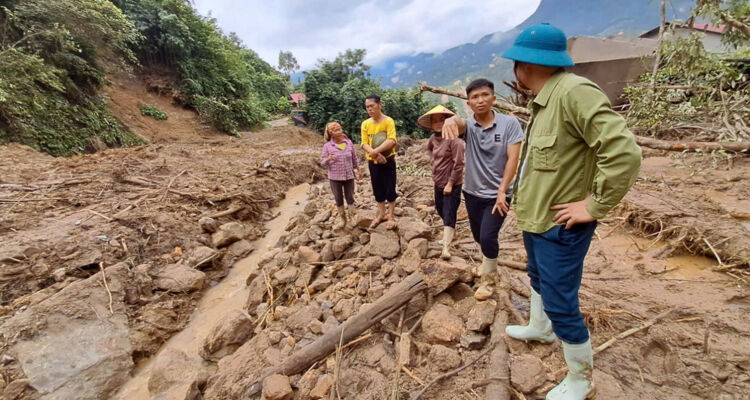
{"points": [[379, 143]]}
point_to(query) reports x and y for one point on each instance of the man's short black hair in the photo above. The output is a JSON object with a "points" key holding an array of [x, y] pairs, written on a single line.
{"points": [[374, 98], [479, 83]]}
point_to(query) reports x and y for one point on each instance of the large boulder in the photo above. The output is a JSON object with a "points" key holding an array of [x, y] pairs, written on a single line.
{"points": [[178, 278], [441, 324], [228, 234], [412, 228], [440, 275], [230, 333], [384, 244], [74, 346]]}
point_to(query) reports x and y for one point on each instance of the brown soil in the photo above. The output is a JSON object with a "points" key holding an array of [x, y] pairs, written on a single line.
{"points": [[60, 219]]}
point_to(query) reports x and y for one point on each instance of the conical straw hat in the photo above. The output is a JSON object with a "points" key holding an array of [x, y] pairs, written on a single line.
{"points": [[425, 121]]}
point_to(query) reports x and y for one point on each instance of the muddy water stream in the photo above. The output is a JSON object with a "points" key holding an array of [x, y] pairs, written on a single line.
{"points": [[224, 298]]}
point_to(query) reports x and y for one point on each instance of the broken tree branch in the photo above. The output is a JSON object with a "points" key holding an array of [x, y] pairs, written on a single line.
{"points": [[739, 147], [499, 104]]}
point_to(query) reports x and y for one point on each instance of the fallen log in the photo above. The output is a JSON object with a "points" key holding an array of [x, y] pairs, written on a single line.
{"points": [[498, 371], [499, 104], [739, 147], [391, 301]]}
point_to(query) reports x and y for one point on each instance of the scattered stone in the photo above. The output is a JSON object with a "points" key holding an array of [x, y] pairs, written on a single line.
{"points": [[322, 387], [228, 234], [410, 260], [321, 216], [315, 326], [307, 255], [319, 284], [341, 245], [363, 287], [331, 323], [257, 289], [274, 337], [420, 245], [300, 320], [364, 238], [345, 272], [6, 359], [241, 248], [277, 387], [444, 358], [208, 224], [305, 276], [310, 208], [384, 244], [607, 387], [286, 275], [460, 291], [440, 275], [179, 278], [229, 334], [412, 228], [201, 255], [364, 218], [481, 315], [473, 340], [441, 324], [174, 369], [180, 392], [372, 263], [376, 291], [307, 383], [326, 254], [527, 373], [15, 389], [59, 274], [344, 309]]}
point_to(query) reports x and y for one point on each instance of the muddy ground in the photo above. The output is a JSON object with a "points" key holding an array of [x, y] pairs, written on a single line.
{"points": [[105, 257]]}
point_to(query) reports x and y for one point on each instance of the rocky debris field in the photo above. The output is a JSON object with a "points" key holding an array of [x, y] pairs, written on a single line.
{"points": [[665, 323]]}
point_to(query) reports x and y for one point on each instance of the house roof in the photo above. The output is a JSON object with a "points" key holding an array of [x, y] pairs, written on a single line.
{"points": [[585, 49], [297, 97], [698, 26]]}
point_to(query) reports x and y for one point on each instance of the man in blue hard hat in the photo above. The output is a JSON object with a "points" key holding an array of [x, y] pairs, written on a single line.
{"points": [[577, 162]]}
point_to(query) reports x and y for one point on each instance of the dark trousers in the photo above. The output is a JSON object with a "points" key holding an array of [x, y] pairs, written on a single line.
{"points": [[383, 177], [485, 226], [555, 267], [343, 189], [447, 205]]}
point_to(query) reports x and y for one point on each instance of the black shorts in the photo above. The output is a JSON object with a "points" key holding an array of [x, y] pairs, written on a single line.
{"points": [[383, 177]]}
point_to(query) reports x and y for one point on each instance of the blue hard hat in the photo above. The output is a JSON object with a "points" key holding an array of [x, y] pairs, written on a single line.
{"points": [[541, 44]]}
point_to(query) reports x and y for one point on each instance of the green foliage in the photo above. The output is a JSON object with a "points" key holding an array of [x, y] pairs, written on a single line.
{"points": [[728, 12], [336, 91], [151, 111], [287, 63], [53, 58], [229, 85], [693, 94]]}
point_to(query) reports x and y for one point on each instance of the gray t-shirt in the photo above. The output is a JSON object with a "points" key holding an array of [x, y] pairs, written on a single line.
{"points": [[487, 153]]}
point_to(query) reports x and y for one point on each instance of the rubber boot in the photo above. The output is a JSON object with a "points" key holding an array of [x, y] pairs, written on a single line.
{"points": [[447, 239], [341, 223], [486, 283], [351, 213], [539, 327], [579, 383]]}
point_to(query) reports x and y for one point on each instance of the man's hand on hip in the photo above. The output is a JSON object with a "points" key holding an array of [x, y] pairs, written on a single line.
{"points": [[572, 213]]}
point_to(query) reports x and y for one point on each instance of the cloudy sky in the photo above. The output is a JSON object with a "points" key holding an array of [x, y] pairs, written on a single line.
{"points": [[313, 29]]}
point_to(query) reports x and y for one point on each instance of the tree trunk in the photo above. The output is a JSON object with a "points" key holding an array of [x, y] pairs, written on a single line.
{"points": [[657, 61]]}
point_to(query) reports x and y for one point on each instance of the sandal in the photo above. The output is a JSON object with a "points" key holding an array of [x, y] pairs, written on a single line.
{"points": [[391, 224], [375, 222]]}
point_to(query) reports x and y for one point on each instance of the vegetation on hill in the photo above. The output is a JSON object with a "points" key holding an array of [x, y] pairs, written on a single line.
{"points": [[54, 56], [336, 91]]}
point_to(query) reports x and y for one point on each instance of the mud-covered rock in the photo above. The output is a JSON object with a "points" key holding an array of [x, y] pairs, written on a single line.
{"points": [[178, 278], [208, 224], [277, 387], [341, 245], [481, 315], [241, 248], [527, 372], [607, 387], [473, 340], [177, 371], [372, 263], [228, 234], [307, 255], [442, 325], [384, 244], [364, 218], [322, 387], [412, 228], [444, 358], [286, 275], [321, 216], [440, 275], [201, 256], [326, 253], [300, 319], [230, 333]]}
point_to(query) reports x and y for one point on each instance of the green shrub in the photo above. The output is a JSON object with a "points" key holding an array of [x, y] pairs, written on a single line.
{"points": [[151, 111]]}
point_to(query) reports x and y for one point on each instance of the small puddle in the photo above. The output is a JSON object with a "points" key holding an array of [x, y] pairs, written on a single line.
{"points": [[229, 295]]}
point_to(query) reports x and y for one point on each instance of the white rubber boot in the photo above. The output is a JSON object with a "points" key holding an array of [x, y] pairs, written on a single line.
{"points": [[579, 383], [447, 239], [351, 213], [486, 289], [539, 327], [341, 223]]}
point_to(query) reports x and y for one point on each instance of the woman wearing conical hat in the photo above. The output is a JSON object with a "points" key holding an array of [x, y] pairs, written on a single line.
{"points": [[447, 171]]}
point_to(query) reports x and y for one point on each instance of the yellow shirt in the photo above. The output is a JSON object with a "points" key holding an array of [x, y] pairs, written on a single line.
{"points": [[370, 129]]}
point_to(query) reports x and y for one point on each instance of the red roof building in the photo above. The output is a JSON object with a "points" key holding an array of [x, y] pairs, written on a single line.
{"points": [[297, 98]]}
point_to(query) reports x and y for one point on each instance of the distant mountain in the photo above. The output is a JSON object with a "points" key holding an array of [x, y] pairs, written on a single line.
{"points": [[458, 65]]}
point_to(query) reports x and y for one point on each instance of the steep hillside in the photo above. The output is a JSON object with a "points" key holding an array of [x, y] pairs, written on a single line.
{"points": [[575, 17]]}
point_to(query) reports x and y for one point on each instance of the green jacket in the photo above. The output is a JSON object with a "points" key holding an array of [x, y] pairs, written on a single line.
{"points": [[575, 145]]}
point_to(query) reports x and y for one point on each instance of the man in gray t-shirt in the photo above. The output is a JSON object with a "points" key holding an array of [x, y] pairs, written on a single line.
{"points": [[493, 145]]}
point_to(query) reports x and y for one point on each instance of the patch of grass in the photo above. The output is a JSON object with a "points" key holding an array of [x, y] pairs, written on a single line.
{"points": [[151, 111]]}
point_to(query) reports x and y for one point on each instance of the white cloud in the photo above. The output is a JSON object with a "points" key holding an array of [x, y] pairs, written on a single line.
{"points": [[314, 29]]}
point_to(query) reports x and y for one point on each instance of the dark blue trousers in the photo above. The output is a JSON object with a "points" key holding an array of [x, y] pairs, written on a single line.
{"points": [[485, 226], [447, 205], [555, 267]]}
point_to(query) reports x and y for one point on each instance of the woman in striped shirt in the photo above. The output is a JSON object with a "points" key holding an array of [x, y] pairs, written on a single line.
{"points": [[341, 160]]}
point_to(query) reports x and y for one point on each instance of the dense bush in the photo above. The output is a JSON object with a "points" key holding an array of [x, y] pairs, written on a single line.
{"points": [[336, 91], [53, 59]]}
